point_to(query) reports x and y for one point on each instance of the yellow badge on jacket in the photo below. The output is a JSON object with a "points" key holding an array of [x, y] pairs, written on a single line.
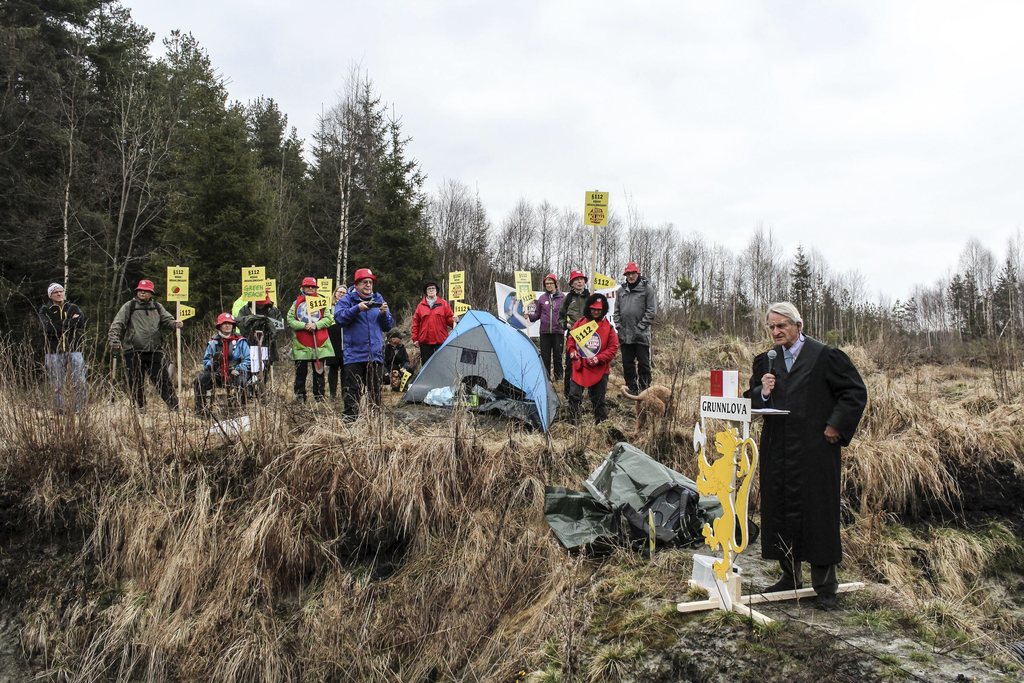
{"points": [[582, 335]]}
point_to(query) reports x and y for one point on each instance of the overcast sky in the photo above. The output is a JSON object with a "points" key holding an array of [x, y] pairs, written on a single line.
{"points": [[881, 134]]}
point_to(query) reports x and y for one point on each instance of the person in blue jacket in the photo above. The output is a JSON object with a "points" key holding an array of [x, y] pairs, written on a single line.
{"points": [[364, 317], [225, 363]]}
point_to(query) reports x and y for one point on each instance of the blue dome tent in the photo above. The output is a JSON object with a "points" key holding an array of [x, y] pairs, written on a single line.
{"points": [[495, 356]]}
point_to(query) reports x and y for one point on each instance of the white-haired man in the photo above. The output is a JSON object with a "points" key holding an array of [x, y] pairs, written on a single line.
{"points": [[800, 452], [63, 331]]}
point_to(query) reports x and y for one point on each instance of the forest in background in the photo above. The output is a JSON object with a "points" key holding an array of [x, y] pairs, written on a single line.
{"points": [[118, 163]]}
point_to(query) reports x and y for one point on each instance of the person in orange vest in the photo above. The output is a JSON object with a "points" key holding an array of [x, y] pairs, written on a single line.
{"points": [[592, 363], [312, 343]]}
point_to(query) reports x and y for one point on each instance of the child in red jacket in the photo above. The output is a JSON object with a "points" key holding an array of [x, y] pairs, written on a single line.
{"points": [[592, 361]]}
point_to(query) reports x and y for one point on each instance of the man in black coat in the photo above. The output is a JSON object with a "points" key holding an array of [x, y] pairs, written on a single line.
{"points": [[800, 452]]}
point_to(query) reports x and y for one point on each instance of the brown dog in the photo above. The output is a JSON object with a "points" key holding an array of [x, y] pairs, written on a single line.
{"points": [[654, 401]]}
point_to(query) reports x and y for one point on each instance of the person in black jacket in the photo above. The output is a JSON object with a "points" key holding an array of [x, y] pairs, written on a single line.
{"points": [[396, 359], [63, 327], [573, 308], [337, 343], [800, 465]]}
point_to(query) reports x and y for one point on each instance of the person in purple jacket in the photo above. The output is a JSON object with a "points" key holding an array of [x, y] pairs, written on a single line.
{"points": [[552, 334]]}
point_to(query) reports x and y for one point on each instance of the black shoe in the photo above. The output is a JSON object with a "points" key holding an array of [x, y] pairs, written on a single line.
{"points": [[780, 586], [827, 602]]}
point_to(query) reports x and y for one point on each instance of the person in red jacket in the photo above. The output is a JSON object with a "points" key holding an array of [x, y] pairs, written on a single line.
{"points": [[431, 322], [592, 362]]}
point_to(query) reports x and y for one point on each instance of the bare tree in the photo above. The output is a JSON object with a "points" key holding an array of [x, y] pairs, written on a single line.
{"points": [[144, 125], [460, 228], [514, 246], [338, 128], [545, 232], [71, 111], [768, 274]]}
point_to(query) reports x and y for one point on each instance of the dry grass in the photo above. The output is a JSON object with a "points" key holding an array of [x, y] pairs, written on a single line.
{"points": [[308, 548]]}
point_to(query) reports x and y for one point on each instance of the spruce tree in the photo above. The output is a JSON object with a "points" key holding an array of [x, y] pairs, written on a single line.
{"points": [[217, 217], [800, 281]]}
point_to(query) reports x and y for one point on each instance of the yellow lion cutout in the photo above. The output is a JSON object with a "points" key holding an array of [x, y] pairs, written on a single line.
{"points": [[728, 479]]}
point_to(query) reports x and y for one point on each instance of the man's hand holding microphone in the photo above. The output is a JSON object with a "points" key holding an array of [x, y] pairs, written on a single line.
{"points": [[768, 378]]}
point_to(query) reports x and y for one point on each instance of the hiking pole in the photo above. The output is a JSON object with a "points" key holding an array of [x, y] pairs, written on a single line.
{"points": [[115, 354], [318, 366], [259, 359], [177, 334]]}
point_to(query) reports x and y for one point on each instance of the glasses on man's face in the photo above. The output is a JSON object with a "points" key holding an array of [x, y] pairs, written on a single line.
{"points": [[776, 326], [365, 281]]}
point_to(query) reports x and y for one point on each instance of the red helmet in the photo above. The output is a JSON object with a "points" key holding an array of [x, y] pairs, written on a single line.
{"points": [[631, 268], [575, 274], [362, 274], [309, 282], [225, 318], [550, 276], [145, 286]]}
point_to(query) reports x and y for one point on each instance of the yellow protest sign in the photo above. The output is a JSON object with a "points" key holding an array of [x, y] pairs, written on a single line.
{"points": [[524, 286], [254, 280], [186, 312], [582, 335], [595, 209], [316, 303], [457, 285], [325, 286], [461, 308], [177, 283], [603, 281], [271, 289]]}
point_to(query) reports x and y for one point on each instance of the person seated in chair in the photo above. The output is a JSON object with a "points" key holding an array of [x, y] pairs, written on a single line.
{"points": [[225, 363]]}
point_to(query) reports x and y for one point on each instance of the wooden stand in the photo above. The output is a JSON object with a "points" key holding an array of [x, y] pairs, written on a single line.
{"points": [[729, 596]]}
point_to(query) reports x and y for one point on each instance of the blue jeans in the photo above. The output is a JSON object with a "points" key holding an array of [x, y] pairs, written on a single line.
{"points": [[61, 367]]}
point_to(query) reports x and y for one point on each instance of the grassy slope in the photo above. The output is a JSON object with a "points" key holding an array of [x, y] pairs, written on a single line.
{"points": [[412, 546]]}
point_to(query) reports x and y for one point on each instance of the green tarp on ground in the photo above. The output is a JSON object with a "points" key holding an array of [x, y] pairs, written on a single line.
{"points": [[621, 496]]}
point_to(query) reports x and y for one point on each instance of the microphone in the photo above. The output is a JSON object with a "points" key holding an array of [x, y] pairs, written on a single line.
{"points": [[772, 354]]}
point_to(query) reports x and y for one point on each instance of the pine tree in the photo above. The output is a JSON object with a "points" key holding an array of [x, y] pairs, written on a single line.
{"points": [[217, 216], [366, 201], [1006, 302], [800, 281], [282, 172]]}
